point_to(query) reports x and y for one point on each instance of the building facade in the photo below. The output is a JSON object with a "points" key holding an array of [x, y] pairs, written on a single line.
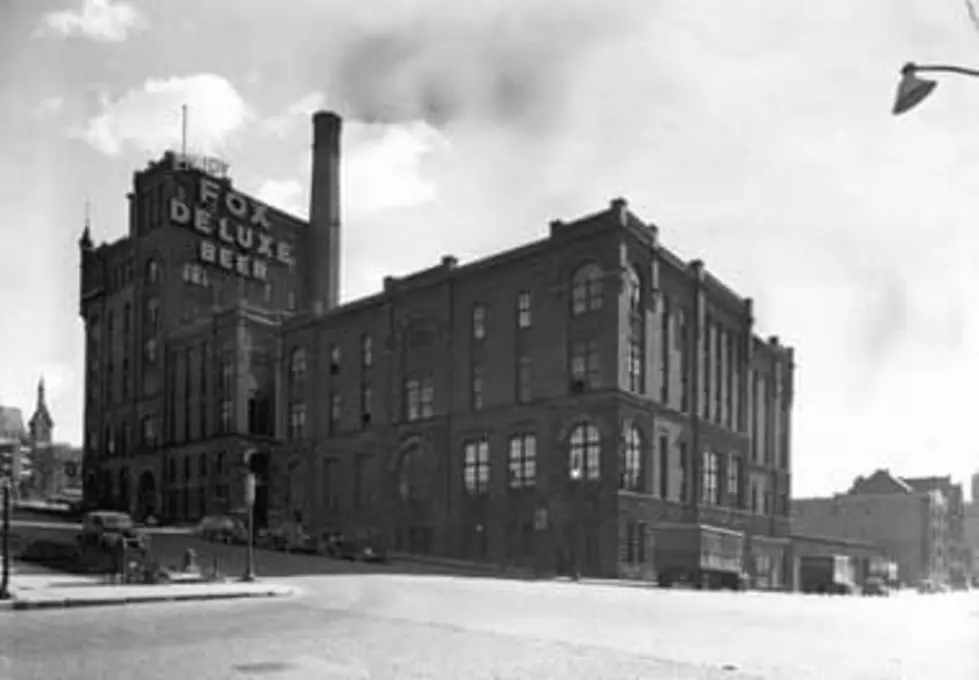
{"points": [[557, 400], [910, 522]]}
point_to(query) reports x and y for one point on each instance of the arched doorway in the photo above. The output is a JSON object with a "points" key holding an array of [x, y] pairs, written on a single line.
{"points": [[146, 495], [124, 494], [414, 479]]}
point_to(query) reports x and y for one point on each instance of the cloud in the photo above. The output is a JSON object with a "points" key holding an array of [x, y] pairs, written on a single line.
{"points": [[49, 106], [99, 20], [149, 118], [283, 123], [284, 194]]}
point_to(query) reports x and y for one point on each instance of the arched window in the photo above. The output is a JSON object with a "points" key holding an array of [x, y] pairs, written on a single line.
{"points": [[584, 452], [406, 485], [634, 290], [586, 289], [630, 461], [297, 363], [153, 271]]}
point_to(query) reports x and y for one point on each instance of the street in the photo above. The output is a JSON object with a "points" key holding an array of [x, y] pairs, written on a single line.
{"points": [[405, 626]]}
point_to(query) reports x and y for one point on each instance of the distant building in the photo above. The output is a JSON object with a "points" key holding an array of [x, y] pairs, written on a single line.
{"points": [[13, 446], [971, 534], [909, 519]]}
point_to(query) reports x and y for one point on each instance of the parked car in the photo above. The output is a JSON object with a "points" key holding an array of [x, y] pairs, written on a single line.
{"points": [[876, 587], [361, 550], [104, 532], [222, 529]]}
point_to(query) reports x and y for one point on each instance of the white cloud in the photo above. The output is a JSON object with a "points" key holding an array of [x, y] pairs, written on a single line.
{"points": [[99, 20], [382, 166], [299, 111], [149, 118], [49, 106], [285, 194]]}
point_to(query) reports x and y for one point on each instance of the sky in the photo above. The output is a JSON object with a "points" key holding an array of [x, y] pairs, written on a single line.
{"points": [[757, 135]]}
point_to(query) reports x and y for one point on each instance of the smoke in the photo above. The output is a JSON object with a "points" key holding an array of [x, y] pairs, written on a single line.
{"points": [[505, 62]]}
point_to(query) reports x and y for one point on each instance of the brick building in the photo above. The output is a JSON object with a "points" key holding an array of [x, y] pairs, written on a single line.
{"points": [[446, 413], [911, 519]]}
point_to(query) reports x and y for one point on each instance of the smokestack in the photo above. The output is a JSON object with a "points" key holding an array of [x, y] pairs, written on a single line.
{"points": [[323, 263]]}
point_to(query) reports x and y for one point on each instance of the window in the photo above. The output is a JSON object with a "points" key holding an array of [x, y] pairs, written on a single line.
{"points": [[153, 315], [125, 378], [734, 481], [153, 271], [336, 407], [585, 451], [366, 351], [407, 489], [477, 387], [664, 467], [684, 361], [365, 405], [586, 289], [636, 364], [635, 542], [634, 291], [665, 348], [524, 311], [479, 322], [149, 431], [584, 363], [686, 481], [297, 421], [523, 461], [523, 379], [202, 465], [711, 492], [297, 364], [630, 464], [419, 398], [150, 351], [335, 359], [226, 415], [476, 466]]}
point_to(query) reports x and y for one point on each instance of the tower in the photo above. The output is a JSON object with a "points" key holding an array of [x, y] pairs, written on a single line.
{"points": [[323, 265]]}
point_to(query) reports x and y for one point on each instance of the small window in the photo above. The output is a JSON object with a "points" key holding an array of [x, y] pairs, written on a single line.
{"points": [[335, 359], [586, 289], [479, 322], [524, 311], [366, 351]]}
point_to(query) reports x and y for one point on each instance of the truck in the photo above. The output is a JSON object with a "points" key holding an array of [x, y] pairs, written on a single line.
{"points": [[827, 574], [699, 555]]}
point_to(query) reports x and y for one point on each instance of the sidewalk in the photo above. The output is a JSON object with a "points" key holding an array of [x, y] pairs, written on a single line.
{"points": [[56, 590]]}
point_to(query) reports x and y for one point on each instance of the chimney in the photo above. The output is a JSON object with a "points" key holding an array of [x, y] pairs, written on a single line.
{"points": [[323, 261]]}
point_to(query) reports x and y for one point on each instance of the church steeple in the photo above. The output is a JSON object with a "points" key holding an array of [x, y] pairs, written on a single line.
{"points": [[85, 242], [41, 424]]}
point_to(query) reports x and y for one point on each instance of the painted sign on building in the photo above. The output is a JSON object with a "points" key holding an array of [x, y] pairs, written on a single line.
{"points": [[235, 230], [212, 166]]}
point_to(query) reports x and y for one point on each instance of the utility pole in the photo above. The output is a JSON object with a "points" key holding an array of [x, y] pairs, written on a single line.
{"points": [[5, 582]]}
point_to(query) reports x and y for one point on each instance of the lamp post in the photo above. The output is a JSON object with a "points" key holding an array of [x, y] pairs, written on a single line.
{"points": [[5, 582], [249, 574], [912, 89], [575, 474]]}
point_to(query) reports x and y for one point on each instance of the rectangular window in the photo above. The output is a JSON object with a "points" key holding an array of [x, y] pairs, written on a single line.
{"points": [[365, 405], [477, 387], [686, 479], [227, 414], [684, 342], [710, 494], [419, 398], [523, 461], [366, 351], [476, 466], [584, 363], [335, 356], [734, 481], [479, 322], [635, 364], [729, 381], [705, 357], [428, 397], [523, 379], [297, 421], [664, 467], [630, 542], [336, 407], [665, 348], [524, 312], [641, 534]]}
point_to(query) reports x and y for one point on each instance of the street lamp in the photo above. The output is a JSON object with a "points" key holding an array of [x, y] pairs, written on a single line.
{"points": [[249, 574], [912, 90], [575, 474]]}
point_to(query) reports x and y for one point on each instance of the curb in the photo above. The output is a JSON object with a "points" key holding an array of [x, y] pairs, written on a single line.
{"points": [[26, 605]]}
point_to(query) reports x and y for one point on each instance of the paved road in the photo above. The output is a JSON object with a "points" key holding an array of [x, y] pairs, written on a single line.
{"points": [[401, 626]]}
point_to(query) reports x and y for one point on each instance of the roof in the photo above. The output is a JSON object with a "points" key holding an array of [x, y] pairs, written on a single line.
{"points": [[881, 481]]}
